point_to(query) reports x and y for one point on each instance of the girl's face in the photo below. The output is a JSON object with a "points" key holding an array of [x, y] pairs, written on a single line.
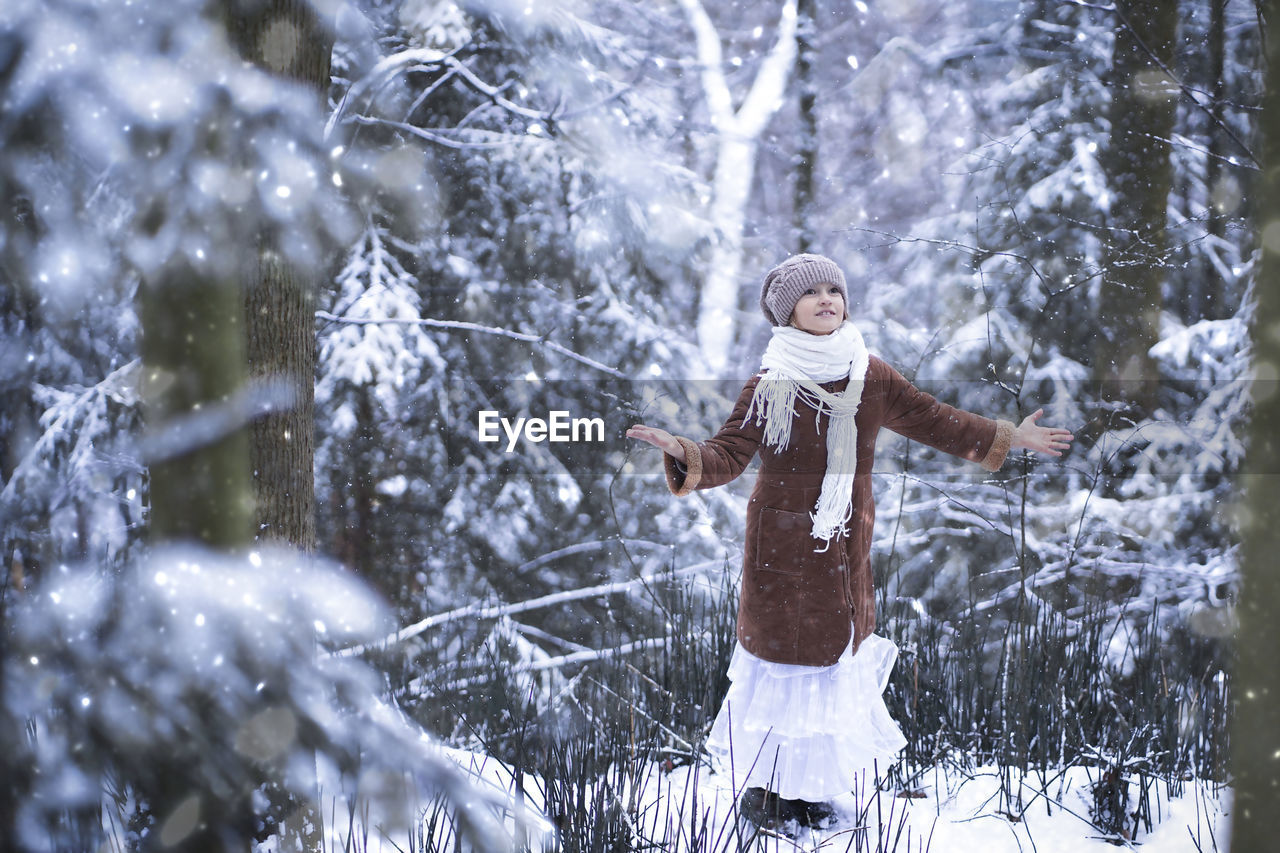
{"points": [[820, 311]]}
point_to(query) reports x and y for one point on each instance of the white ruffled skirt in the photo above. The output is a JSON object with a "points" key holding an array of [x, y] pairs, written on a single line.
{"points": [[807, 732]]}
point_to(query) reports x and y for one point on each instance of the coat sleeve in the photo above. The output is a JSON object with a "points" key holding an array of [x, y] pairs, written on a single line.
{"points": [[921, 417], [720, 458]]}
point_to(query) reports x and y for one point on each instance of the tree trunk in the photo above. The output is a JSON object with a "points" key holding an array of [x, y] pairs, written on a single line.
{"points": [[193, 362], [807, 155], [288, 38], [732, 180], [193, 359], [1255, 737], [1143, 103], [280, 312], [362, 489], [1203, 301], [734, 171]]}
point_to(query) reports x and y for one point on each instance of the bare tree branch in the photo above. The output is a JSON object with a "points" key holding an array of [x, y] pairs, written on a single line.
{"points": [[438, 136]]}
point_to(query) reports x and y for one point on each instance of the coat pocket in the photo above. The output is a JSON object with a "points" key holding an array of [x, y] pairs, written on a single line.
{"points": [[784, 543], [794, 600]]}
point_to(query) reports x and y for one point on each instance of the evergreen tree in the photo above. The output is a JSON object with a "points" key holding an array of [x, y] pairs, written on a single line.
{"points": [[513, 261], [1027, 240]]}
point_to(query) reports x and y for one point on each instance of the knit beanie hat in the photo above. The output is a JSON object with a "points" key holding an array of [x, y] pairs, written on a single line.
{"points": [[787, 282]]}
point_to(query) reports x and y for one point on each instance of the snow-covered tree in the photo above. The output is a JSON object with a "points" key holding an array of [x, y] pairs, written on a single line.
{"points": [[1131, 522], [518, 257], [371, 375], [184, 703], [76, 493], [737, 128], [207, 159]]}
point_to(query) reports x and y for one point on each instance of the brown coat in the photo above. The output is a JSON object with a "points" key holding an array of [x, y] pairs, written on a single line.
{"points": [[799, 604]]}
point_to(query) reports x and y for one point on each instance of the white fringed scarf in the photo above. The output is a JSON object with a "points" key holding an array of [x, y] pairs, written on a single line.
{"points": [[796, 362]]}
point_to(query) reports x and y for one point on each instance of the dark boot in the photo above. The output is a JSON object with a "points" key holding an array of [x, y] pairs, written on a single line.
{"points": [[816, 815], [766, 810]]}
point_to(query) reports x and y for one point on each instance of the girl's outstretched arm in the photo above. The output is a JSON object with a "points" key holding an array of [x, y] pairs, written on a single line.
{"points": [[692, 465]]}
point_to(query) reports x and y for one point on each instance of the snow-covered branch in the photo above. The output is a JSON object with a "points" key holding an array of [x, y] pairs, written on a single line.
{"points": [[425, 59], [475, 327], [492, 611], [184, 433], [379, 76], [418, 685], [65, 423]]}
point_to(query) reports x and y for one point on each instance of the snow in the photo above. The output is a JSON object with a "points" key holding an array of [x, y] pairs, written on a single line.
{"points": [[1083, 174], [1208, 350], [952, 811], [194, 659]]}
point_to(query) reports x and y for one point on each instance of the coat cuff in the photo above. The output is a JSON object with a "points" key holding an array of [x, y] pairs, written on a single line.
{"points": [[683, 479], [999, 446]]}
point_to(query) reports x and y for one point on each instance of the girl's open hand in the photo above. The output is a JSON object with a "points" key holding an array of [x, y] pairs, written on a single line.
{"points": [[1050, 440], [659, 438]]}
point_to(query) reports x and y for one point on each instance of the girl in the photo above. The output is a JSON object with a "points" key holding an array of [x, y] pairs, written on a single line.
{"points": [[804, 715]]}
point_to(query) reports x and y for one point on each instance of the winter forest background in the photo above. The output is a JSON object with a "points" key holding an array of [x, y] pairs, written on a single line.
{"points": [[434, 208]]}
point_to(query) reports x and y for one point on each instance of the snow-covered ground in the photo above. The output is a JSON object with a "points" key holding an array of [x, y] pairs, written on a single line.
{"points": [[964, 811], [952, 811]]}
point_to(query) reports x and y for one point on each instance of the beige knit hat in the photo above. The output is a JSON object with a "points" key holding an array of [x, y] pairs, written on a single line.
{"points": [[787, 282]]}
